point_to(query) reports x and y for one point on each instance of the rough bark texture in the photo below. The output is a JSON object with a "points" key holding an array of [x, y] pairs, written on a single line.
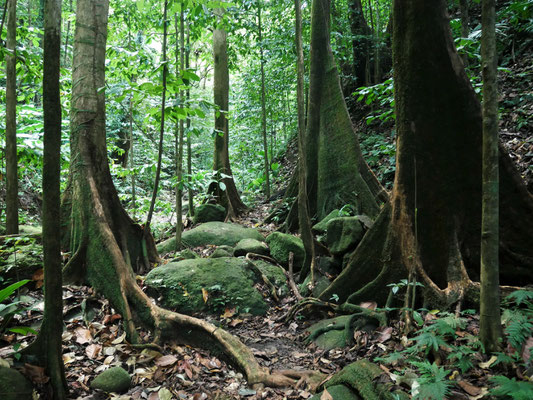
{"points": [[229, 197], [263, 105], [336, 172], [48, 345], [12, 201], [490, 330], [180, 130], [361, 42], [432, 228]]}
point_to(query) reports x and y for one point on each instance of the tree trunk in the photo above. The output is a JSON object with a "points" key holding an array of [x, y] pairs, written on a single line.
{"points": [[180, 52], [105, 241], [361, 41], [12, 201], [227, 195], [432, 227], [48, 345], [263, 106], [465, 20], [336, 172], [490, 330], [189, 144]]}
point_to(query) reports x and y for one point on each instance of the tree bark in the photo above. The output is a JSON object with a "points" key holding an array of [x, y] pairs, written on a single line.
{"points": [[490, 330], [180, 53], [432, 228], [227, 196], [189, 141], [12, 201], [263, 106], [336, 172], [48, 345], [361, 41], [465, 20]]}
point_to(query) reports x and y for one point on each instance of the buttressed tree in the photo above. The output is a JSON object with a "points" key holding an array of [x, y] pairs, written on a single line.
{"points": [[431, 229], [224, 190], [104, 241]]}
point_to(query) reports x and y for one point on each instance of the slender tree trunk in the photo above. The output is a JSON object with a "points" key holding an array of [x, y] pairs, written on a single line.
{"points": [[189, 138], [48, 345], [65, 52], [360, 42], [226, 195], [162, 124], [490, 330], [180, 51], [12, 201], [263, 105]]}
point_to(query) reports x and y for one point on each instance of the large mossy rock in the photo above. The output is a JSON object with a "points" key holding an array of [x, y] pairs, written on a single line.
{"points": [[185, 254], [337, 392], [209, 213], [343, 234], [281, 244], [226, 282], [14, 386], [115, 379], [274, 274], [322, 226], [246, 246], [361, 377], [23, 261], [214, 233]]}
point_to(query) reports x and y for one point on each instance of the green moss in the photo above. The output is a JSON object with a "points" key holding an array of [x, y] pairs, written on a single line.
{"points": [[114, 379], [228, 282], [250, 246], [329, 333], [321, 227], [14, 386], [274, 275], [281, 244], [338, 392], [343, 234], [185, 254], [214, 233], [208, 213], [218, 253]]}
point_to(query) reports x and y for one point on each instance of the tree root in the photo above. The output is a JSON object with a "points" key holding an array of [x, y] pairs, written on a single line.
{"points": [[263, 277]]}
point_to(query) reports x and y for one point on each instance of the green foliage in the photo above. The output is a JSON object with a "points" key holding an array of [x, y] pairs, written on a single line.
{"points": [[380, 96], [433, 384], [10, 308], [516, 390]]}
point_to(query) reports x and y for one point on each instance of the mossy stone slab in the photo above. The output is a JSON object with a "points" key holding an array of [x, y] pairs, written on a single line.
{"points": [[219, 252], [246, 246], [185, 254], [338, 392], [227, 282], [208, 213], [343, 234], [115, 379], [214, 233], [13, 385], [24, 263], [321, 227], [281, 244]]}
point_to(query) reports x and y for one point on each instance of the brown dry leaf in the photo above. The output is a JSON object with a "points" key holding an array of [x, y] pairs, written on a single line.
{"points": [[38, 277], [205, 295], [326, 395], [486, 365], [526, 349], [93, 351], [83, 335], [229, 312], [385, 334], [199, 396], [370, 305], [153, 396], [35, 373], [166, 361], [236, 322], [469, 388], [120, 339]]}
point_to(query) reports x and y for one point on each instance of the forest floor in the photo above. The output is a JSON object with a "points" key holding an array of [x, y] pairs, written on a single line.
{"points": [[94, 340]]}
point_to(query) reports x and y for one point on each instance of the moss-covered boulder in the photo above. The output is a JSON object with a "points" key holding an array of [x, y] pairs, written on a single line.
{"points": [[220, 252], [343, 234], [362, 378], [115, 379], [13, 385], [22, 262], [322, 226], [30, 230], [185, 254], [208, 213], [246, 246], [337, 392], [226, 282], [321, 283], [274, 274], [281, 244], [215, 233]]}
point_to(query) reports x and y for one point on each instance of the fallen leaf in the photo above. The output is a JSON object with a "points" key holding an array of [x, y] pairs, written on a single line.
{"points": [[370, 305], [205, 295], [228, 312], [385, 334], [326, 395], [120, 339], [83, 335], [166, 361], [236, 322], [93, 351], [35, 373], [199, 396], [526, 349], [486, 365], [469, 388], [164, 394]]}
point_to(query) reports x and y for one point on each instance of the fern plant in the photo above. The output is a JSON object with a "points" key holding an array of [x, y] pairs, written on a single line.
{"points": [[516, 390], [433, 384]]}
